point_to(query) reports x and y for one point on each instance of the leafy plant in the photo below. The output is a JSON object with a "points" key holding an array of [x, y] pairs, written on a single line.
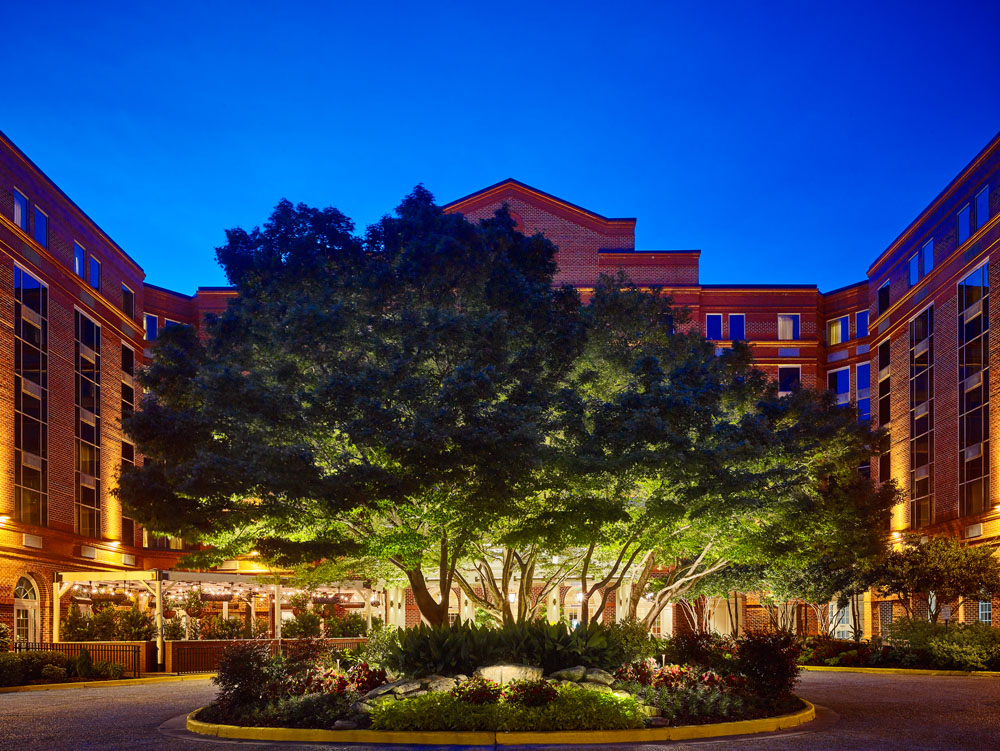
{"points": [[246, 674], [305, 624], [635, 672], [365, 678], [769, 662], [84, 664], [536, 693], [173, 629], [477, 690], [134, 625], [344, 626], [382, 642], [5, 637], [76, 626], [54, 673]]}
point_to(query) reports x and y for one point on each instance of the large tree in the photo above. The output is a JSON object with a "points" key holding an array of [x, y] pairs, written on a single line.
{"points": [[386, 397]]}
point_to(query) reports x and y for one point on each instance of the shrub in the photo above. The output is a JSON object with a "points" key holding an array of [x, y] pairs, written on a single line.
{"points": [[973, 646], [54, 673], [697, 704], [638, 645], [12, 670], [462, 647], [134, 625], [769, 662], [350, 625], [477, 690], [84, 664], [635, 672], [246, 674], [710, 651], [537, 693], [313, 710], [304, 625], [365, 678], [913, 633], [105, 669], [105, 623], [5, 637], [382, 642], [572, 709], [76, 626], [34, 662], [174, 628]]}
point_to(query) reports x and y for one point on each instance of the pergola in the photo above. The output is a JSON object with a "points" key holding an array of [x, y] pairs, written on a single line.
{"points": [[158, 582]]}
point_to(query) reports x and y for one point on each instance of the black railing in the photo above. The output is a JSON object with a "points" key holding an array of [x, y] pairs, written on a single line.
{"points": [[126, 655]]}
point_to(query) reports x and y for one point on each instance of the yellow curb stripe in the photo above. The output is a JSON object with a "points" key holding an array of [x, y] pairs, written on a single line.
{"points": [[448, 738], [102, 684], [902, 671]]}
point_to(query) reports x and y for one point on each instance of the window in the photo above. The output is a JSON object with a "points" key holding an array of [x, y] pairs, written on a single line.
{"points": [[41, 228], [839, 383], [128, 382], [26, 612], [883, 298], [128, 301], [982, 207], [79, 261], [964, 225], [884, 396], [973, 392], [150, 325], [30, 399], [788, 326], [914, 269], [864, 382], [87, 507], [927, 256], [20, 210], [713, 326], [168, 324], [128, 525], [838, 331], [95, 273], [789, 378], [737, 327], [921, 330], [986, 611], [885, 466], [861, 324]]}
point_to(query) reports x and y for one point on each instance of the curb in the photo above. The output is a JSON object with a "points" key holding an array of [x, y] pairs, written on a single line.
{"points": [[902, 671], [496, 740], [102, 684]]}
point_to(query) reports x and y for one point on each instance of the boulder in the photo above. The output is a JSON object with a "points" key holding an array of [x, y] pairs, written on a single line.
{"points": [[345, 725], [601, 687], [461, 678], [411, 694], [596, 675], [621, 694], [405, 687], [570, 674], [651, 711], [361, 707], [440, 683], [385, 688], [505, 673], [657, 722]]}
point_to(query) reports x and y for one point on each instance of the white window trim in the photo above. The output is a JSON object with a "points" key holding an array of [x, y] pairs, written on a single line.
{"points": [[27, 209], [846, 318], [82, 274], [784, 367], [722, 320], [778, 322]]}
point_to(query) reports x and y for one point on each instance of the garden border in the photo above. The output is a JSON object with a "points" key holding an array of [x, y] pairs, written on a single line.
{"points": [[902, 671], [489, 738]]}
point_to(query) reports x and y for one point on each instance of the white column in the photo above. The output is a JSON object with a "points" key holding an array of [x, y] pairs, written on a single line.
{"points": [[161, 657], [277, 610], [55, 609]]}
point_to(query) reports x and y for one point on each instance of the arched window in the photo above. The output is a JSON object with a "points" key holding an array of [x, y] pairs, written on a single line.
{"points": [[26, 616]]}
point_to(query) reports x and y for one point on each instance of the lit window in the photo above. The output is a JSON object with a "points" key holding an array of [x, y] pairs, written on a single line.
{"points": [[713, 326], [986, 611], [95, 273], [789, 379], [861, 324], [128, 301], [838, 331], [964, 226], [982, 207], [927, 256], [41, 228], [20, 210], [864, 392], [79, 260], [149, 324], [788, 326], [737, 327], [914, 269]]}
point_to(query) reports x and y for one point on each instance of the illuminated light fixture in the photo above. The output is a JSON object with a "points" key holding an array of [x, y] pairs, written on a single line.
{"points": [[579, 596], [4, 518], [115, 543], [253, 552]]}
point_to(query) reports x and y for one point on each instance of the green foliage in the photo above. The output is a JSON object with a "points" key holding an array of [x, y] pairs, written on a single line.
{"points": [[769, 663], [135, 625], [217, 627], [54, 673], [304, 624], [246, 674], [973, 646], [106, 669], [5, 637], [686, 705], [573, 709], [477, 690], [83, 666], [537, 693], [637, 642], [316, 710], [173, 629], [17, 668], [382, 642], [349, 625], [710, 651], [462, 647], [13, 671], [913, 633], [76, 626]]}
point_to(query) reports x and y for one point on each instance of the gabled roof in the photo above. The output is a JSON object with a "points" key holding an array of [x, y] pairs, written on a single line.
{"points": [[515, 188]]}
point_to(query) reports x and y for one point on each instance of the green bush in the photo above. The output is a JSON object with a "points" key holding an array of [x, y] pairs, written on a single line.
{"points": [[697, 704], [174, 628], [303, 625], [462, 647], [709, 651], [5, 636], [54, 673], [84, 664], [76, 626], [382, 643], [134, 625], [350, 625], [573, 709], [246, 674], [106, 669], [637, 643], [913, 633], [769, 662], [972, 646], [12, 670], [105, 624]]}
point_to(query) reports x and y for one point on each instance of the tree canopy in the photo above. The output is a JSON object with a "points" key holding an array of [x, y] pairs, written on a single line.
{"points": [[422, 398]]}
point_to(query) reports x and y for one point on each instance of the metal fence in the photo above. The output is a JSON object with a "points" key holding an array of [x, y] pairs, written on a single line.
{"points": [[126, 655], [204, 657]]}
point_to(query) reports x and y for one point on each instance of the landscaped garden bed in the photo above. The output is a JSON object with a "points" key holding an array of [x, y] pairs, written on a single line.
{"points": [[521, 677], [913, 643], [42, 667]]}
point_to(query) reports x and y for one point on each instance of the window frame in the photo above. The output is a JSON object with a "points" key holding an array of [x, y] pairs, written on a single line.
{"points": [[708, 317], [888, 298], [834, 371], [788, 367], [796, 334], [858, 398], [26, 211], [729, 322], [967, 210], [34, 229], [977, 222], [846, 333], [129, 313], [79, 255], [857, 328], [145, 326], [90, 273]]}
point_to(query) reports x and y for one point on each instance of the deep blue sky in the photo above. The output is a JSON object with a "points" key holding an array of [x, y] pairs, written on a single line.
{"points": [[791, 142]]}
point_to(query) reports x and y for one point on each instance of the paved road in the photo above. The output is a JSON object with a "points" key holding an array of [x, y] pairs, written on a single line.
{"points": [[880, 713]]}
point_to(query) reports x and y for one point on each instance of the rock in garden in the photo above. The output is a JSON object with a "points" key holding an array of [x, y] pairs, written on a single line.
{"points": [[621, 694], [344, 725], [383, 689], [596, 675], [651, 711], [461, 678], [600, 687], [657, 722], [570, 674], [405, 687], [411, 694], [505, 673], [361, 707], [440, 683]]}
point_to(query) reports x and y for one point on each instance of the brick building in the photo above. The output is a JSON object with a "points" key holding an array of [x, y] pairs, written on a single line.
{"points": [[909, 344]]}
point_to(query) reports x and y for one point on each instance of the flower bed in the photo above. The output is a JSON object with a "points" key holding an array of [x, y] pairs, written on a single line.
{"points": [[724, 680], [40, 667]]}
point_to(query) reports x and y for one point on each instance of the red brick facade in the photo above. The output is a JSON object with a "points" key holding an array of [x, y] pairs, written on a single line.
{"points": [[589, 244]]}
